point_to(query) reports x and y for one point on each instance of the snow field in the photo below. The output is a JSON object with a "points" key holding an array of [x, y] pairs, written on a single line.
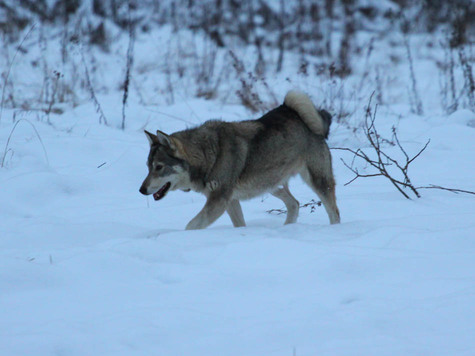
{"points": [[88, 266]]}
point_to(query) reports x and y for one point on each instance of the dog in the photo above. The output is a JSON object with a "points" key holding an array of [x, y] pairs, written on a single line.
{"points": [[233, 161]]}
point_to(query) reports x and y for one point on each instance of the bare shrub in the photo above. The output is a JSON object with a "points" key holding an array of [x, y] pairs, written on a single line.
{"points": [[168, 75], [247, 93], [451, 76], [468, 77], [384, 165], [102, 117], [347, 39], [207, 75], [455, 63], [379, 86], [128, 66], [414, 97], [330, 14], [10, 65], [335, 92], [281, 39], [7, 96], [52, 99], [367, 66]]}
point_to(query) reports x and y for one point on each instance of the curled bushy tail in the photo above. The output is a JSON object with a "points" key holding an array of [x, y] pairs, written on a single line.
{"points": [[317, 121]]}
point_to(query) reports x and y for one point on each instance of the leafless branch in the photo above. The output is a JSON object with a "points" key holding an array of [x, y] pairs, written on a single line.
{"points": [[453, 190], [383, 160]]}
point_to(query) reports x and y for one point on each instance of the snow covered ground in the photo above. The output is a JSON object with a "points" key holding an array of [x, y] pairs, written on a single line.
{"points": [[88, 266]]}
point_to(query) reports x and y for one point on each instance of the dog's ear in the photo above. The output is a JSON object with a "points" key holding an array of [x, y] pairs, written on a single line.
{"points": [[165, 140], [173, 143], [152, 139]]}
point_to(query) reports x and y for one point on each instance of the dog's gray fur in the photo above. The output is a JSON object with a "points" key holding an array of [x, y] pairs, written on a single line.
{"points": [[233, 161]]}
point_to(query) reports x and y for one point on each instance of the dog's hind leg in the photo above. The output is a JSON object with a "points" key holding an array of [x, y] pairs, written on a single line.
{"points": [[324, 186], [235, 213], [290, 202]]}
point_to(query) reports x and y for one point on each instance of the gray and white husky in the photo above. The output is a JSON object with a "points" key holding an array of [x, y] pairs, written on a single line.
{"points": [[233, 161]]}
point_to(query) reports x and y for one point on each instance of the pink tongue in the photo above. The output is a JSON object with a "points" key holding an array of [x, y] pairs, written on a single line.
{"points": [[160, 193]]}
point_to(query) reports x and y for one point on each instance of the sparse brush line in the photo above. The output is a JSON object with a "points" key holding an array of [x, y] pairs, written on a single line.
{"points": [[379, 86], [11, 134], [281, 40], [417, 100], [138, 90], [443, 79], [10, 68], [367, 67], [468, 77], [247, 94], [168, 75], [130, 62], [43, 46], [451, 64], [126, 85], [57, 75], [102, 117]]}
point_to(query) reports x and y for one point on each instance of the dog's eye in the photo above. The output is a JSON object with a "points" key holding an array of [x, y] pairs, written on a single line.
{"points": [[158, 167]]}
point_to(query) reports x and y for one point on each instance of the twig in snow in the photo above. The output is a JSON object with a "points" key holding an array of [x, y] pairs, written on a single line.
{"points": [[312, 204]]}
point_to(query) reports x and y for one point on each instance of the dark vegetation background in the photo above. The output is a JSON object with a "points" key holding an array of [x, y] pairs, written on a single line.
{"points": [[69, 42]]}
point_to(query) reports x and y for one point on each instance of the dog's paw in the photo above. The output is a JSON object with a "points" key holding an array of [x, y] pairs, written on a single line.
{"points": [[193, 225]]}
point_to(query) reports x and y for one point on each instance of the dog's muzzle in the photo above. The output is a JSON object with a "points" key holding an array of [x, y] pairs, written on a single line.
{"points": [[143, 190], [159, 194]]}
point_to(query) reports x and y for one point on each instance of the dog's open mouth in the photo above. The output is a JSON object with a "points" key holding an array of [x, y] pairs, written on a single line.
{"points": [[162, 191]]}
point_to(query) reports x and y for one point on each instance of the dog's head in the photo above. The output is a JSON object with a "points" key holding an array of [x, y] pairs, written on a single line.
{"points": [[166, 166]]}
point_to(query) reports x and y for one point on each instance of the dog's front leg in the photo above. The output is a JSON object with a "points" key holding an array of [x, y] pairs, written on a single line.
{"points": [[215, 207], [235, 213]]}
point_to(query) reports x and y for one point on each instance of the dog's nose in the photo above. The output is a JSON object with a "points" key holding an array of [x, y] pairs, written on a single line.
{"points": [[143, 190]]}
